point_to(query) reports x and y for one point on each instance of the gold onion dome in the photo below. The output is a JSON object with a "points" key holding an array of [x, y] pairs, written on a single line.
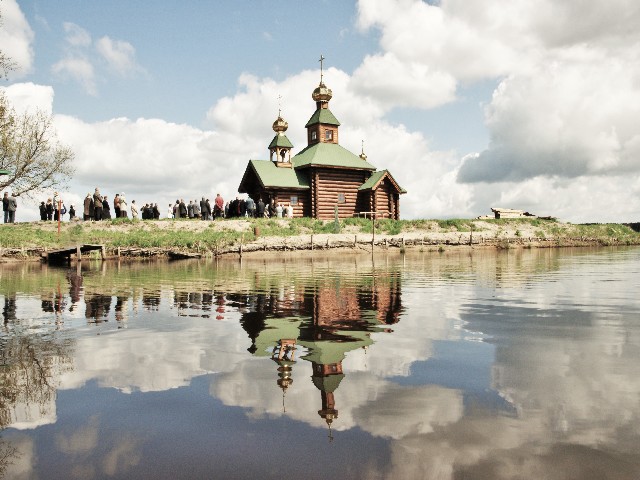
{"points": [[280, 126], [322, 93]]}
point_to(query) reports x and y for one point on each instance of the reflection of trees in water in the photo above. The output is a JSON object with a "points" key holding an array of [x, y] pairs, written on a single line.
{"points": [[30, 367], [8, 453]]}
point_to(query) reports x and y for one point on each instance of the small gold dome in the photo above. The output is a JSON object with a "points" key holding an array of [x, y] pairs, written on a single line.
{"points": [[280, 126], [322, 93]]}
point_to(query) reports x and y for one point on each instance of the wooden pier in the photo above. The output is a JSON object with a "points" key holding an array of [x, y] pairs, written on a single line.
{"points": [[64, 254]]}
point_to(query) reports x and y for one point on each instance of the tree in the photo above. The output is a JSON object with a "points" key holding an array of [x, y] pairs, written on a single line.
{"points": [[6, 64], [30, 151]]}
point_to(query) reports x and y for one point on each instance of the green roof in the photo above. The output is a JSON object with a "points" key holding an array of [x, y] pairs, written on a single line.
{"points": [[327, 384], [331, 155], [280, 140], [4, 172], [272, 176], [373, 180], [322, 115]]}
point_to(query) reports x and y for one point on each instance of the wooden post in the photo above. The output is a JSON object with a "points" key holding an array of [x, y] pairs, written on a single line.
{"points": [[79, 253], [373, 236], [355, 241], [103, 254], [312, 242]]}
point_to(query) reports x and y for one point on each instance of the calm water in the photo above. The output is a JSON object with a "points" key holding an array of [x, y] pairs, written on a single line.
{"points": [[458, 366]]}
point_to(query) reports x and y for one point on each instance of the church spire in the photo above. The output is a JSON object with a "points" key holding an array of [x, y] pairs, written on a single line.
{"points": [[280, 147]]}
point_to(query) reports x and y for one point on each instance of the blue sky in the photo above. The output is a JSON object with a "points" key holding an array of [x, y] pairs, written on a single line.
{"points": [[530, 104]]}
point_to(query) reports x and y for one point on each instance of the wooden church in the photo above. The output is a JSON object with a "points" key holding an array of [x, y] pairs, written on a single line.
{"points": [[323, 175]]}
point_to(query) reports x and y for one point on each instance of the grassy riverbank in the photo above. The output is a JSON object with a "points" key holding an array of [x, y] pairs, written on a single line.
{"points": [[222, 236]]}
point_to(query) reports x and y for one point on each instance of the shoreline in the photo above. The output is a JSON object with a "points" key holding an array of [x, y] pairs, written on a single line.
{"points": [[244, 237]]}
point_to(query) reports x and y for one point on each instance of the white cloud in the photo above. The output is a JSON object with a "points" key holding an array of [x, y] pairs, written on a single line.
{"points": [[79, 69], [16, 38], [76, 35], [120, 55], [566, 105], [28, 96], [568, 119], [394, 82]]}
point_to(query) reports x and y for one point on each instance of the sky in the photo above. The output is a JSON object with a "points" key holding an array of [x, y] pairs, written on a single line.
{"points": [[527, 104]]}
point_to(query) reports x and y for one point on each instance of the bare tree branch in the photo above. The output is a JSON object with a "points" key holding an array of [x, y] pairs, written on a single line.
{"points": [[30, 151]]}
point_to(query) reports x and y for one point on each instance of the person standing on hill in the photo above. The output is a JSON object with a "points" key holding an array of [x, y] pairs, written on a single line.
{"points": [[97, 205], [56, 206], [182, 209], [260, 208], [106, 209], [250, 206], [204, 209], [218, 209], [5, 207], [43, 211], [116, 206], [123, 206], [134, 210], [12, 205], [88, 207]]}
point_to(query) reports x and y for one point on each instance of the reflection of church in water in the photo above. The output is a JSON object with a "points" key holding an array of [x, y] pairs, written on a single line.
{"points": [[326, 321]]}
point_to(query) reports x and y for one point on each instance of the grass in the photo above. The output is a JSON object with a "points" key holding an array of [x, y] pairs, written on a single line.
{"points": [[127, 233]]}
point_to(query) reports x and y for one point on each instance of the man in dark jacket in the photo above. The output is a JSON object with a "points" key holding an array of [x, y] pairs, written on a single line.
{"points": [[43, 211], [182, 209], [5, 206], [204, 209], [260, 208]]}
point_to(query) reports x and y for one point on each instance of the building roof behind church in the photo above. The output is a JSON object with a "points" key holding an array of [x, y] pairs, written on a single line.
{"points": [[280, 141], [322, 115], [272, 176], [330, 155]]}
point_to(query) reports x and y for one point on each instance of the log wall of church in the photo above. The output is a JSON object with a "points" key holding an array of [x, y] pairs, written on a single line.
{"points": [[337, 186], [386, 203], [301, 208]]}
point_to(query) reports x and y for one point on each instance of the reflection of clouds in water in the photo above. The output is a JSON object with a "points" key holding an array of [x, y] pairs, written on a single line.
{"points": [[115, 455], [80, 441], [153, 360]]}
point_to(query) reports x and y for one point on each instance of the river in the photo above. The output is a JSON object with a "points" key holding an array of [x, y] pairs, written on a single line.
{"points": [[457, 365]]}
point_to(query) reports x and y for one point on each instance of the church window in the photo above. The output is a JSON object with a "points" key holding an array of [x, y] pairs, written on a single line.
{"points": [[341, 198], [328, 134], [313, 135]]}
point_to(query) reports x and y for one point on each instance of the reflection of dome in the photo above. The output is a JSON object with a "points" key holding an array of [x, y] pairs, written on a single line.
{"points": [[280, 125], [322, 93]]}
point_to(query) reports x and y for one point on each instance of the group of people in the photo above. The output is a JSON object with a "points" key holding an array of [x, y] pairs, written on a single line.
{"points": [[9, 205], [55, 209], [97, 207], [237, 208], [249, 208]]}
